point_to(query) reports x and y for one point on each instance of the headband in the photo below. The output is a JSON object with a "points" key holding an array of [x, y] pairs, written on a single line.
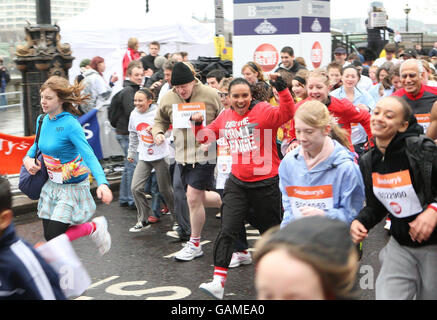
{"points": [[300, 79]]}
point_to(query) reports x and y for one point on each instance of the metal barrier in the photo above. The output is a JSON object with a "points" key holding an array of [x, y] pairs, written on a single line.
{"points": [[4, 107]]}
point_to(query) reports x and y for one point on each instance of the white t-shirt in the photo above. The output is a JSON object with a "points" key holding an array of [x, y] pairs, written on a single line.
{"points": [[380, 61], [142, 141]]}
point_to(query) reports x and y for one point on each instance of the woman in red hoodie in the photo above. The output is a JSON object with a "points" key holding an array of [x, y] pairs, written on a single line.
{"points": [[343, 110], [132, 53], [249, 127]]}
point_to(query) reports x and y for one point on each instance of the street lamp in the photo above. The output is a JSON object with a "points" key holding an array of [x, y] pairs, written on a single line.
{"points": [[407, 10]]}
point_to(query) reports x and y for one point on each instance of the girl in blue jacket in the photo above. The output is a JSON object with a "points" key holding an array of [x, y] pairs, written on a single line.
{"points": [[320, 177], [66, 204]]}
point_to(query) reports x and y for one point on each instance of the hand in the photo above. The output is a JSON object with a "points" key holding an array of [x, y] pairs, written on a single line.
{"points": [[103, 192], [424, 224], [148, 72], [156, 84], [292, 146], [311, 211], [149, 129], [197, 117], [363, 106], [31, 167], [204, 147], [114, 78], [277, 82], [358, 231], [159, 138]]}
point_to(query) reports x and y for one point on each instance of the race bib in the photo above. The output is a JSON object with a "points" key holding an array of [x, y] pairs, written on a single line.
{"points": [[224, 158], [320, 197], [424, 120], [395, 191], [54, 169], [183, 111]]}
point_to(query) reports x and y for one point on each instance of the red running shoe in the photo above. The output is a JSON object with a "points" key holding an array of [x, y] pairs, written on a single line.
{"points": [[153, 219]]}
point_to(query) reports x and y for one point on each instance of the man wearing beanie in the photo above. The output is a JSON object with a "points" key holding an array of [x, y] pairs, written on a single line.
{"points": [[196, 166]]}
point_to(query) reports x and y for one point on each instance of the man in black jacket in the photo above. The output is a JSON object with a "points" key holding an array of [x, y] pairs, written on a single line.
{"points": [[148, 61], [287, 61], [126, 97]]}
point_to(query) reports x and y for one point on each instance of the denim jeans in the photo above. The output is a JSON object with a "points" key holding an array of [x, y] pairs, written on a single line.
{"points": [[152, 189], [3, 99], [125, 195]]}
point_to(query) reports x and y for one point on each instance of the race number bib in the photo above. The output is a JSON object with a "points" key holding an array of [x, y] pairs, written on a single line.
{"points": [[183, 111], [224, 158], [54, 169], [320, 197], [424, 120], [395, 191]]}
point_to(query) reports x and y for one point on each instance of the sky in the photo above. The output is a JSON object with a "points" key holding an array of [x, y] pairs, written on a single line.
{"points": [[423, 10]]}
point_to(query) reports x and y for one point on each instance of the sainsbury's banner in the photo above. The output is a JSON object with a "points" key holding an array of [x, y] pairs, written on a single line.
{"points": [[12, 151], [98, 132]]}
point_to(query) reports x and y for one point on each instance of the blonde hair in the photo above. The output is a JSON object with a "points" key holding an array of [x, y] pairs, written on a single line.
{"points": [[132, 42], [320, 73], [315, 114]]}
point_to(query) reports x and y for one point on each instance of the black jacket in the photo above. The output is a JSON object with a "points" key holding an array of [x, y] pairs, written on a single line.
{"points": [[148, 62], [295, 68], [403, 153], [127, 100]]}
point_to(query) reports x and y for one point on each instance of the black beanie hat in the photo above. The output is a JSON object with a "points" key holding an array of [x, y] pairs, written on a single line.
{"points": [[181, 74]]}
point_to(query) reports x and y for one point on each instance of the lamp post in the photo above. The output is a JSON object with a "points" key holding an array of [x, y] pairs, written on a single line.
{"points": [[407, 10], [42, 56]]}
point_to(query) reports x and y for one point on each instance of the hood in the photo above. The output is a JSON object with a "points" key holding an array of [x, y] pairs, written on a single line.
{"points": [[89, 72], [337, 157], [127, 83], [8, 237], [414, 129]]}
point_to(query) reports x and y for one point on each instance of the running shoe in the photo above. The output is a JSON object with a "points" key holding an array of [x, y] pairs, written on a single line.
{"points": [[153, 219], [240, 258], [214, 289], [139, 227], [101, 236], [387, 224], [165, 210], [189, 252]]}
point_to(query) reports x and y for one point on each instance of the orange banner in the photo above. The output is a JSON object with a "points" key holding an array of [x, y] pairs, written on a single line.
{"points": [[12, 151]]}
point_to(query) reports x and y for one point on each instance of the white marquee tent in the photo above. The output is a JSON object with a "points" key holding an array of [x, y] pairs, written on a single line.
{"points": [[104, 29]]}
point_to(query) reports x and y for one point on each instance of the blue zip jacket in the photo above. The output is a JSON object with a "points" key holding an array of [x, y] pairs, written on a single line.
{"points": [[24, 274], [358, 134], [339, 170], [63, 138]]}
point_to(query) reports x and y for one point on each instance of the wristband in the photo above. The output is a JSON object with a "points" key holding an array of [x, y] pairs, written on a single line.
{"points": [[433, 206]]}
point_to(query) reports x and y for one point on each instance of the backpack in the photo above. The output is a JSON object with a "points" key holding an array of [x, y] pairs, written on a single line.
{"points": [[115, 109]]}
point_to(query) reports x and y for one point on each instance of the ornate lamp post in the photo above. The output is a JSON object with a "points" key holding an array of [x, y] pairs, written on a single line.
{"points": [[41, 57], [407, 10]]}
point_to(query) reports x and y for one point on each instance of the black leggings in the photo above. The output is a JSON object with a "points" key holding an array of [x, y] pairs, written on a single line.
{"points": [[52, 228], [260, 206]]}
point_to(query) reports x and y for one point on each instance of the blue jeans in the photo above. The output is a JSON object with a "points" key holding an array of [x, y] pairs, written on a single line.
{"points": [[125, 195], [3, 99], [152, 189]]}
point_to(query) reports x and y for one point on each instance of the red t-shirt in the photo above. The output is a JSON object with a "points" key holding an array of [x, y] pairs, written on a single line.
{"points": [[251, 137]]}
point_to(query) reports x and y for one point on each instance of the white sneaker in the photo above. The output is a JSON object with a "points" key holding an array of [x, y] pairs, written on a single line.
{"points": [[175, 226], [139, 227], [239, 258], [387, 224], [189, 252], [101, 236], [213, 288]]}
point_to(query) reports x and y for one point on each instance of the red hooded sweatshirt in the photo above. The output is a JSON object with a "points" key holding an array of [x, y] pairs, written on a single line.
{"points": [[344, 112]]}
